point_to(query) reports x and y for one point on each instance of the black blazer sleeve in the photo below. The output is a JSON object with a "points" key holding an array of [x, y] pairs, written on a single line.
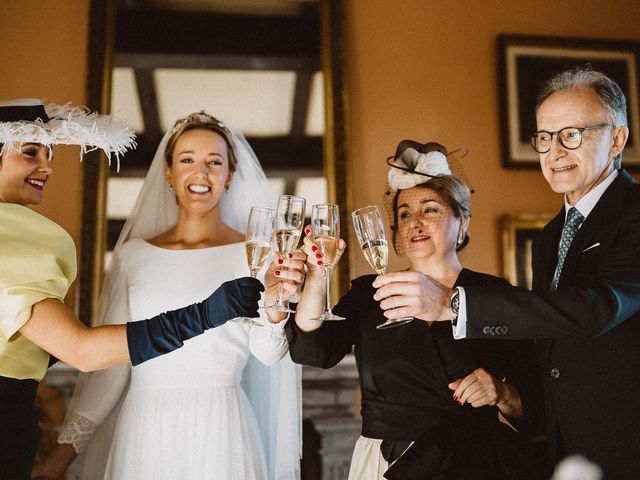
{"points": [[327, 345], [599, 287]]}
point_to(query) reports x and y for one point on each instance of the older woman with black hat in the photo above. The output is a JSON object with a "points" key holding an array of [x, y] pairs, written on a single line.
{"points": [[430, 405], [39, 263]]}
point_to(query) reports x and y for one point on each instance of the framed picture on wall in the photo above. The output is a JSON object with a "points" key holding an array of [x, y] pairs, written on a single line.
{"points": [[518, 231], [526, 62]]}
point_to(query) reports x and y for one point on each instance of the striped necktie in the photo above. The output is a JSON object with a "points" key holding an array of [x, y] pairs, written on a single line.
{"points": [[571, 226]]}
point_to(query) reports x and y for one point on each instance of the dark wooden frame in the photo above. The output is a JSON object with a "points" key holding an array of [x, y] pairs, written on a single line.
{"points": [[518, 231], [525, 62]]}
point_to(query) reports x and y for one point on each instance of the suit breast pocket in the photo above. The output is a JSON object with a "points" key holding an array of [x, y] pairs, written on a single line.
{"points": [[590, 259]]}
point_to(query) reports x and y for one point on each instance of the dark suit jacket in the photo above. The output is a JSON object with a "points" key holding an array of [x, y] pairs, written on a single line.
{"points": [[588, 330]]}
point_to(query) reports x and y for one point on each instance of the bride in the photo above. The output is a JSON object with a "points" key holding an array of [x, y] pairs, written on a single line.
{"points": [[212, 409]]}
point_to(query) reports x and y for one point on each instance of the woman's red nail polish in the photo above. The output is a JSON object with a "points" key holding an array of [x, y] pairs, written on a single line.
{"points": [[318, 255], [291, 255], [459, 403], [307, 231], [455, 397], [319, 262], [280, 261], [277, 272], [314, 248]]}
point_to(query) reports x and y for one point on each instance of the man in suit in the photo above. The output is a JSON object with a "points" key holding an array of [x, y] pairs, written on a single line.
{"points": [[584, 310]]}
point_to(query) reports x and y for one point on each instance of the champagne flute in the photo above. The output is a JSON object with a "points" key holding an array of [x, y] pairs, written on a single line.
{"points": [[257, 245], [289, 221], [325, 222], [369, 227], [258, 239]]}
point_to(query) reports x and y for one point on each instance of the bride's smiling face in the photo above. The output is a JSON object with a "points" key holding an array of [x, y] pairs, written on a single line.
{"points": [[199, 172]]}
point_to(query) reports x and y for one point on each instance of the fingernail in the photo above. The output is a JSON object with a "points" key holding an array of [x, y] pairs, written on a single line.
{"points": [[277, 272], [314, 248], [307, 231], [459, 403], [280, 261], [455, 397], [291, 255], [319, 262], [318, 255]]}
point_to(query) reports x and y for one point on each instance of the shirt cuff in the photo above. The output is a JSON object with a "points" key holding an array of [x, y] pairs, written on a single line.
{"points": [[460, 327]]}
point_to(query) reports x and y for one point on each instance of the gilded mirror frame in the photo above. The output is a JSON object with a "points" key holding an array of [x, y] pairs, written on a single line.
{"points": [[95, 170]]}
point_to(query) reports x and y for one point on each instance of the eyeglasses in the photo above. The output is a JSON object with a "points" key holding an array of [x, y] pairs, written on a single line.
{"points": [[569, 137]]}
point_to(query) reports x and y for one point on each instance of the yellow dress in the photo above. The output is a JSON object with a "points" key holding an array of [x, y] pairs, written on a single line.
{"points": [[38, 261]]}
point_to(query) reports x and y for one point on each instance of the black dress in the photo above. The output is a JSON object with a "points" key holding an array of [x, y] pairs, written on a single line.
{"points": [[404, 375]]}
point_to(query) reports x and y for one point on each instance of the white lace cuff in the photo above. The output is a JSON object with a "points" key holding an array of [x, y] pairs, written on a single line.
{"points": [[78, 432]]}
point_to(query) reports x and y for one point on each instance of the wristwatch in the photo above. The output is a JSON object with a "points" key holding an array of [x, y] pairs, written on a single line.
{"points": [[455, 305]]}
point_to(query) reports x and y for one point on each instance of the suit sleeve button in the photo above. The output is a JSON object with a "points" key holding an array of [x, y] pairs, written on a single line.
{"points": [[504, 329], [485, 330], [555, 373]]}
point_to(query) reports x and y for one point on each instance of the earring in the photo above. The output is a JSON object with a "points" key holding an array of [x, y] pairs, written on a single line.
{"points": [[170, 188], [226, 188], [460, 238]]}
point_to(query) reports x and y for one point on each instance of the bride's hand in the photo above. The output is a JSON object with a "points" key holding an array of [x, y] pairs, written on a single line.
{"points": [[286, 272]]}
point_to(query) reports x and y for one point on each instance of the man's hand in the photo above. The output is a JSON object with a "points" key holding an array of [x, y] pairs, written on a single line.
{"points": [[413, 294]]}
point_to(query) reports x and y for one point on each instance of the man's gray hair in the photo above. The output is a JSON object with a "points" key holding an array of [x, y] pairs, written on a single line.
{"points": [[610, 93]]}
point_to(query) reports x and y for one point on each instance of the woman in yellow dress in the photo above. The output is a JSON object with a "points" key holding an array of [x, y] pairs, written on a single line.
{"points": [[38, 263]]}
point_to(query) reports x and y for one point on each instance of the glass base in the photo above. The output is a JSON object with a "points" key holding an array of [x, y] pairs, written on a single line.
{"points": [[279, 308], [394, 323], [247, 321], [328, 316]]}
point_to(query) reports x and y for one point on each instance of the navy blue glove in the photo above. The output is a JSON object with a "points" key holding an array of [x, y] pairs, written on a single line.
{"points": [[167, 332]]}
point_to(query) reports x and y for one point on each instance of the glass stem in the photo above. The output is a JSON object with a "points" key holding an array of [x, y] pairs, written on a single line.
{"points": [[327, 278], [279, 302]]}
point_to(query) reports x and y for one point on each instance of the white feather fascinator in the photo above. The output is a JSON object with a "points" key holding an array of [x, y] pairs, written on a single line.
{"points": [[28, 120]]}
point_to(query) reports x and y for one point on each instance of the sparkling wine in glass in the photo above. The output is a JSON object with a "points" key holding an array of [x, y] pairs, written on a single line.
{"points": [[257, 244], [288, 225], [258, 239], [325, 222], [369, 228]]}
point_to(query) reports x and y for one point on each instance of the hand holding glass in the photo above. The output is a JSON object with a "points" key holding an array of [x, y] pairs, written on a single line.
{"points": [[325, 222], [289, 221], [369, 228]]}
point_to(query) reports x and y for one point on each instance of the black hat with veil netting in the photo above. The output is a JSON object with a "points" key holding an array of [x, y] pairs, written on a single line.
{"points": [[416, 164]]}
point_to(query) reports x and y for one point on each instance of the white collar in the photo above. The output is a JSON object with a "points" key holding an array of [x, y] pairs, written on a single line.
{"points": [[589, 201]]}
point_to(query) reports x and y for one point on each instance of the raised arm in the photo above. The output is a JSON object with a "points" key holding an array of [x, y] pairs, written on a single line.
{"points": [[56, 329]]}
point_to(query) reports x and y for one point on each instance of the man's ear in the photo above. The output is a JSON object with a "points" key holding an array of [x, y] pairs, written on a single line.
{"points": [[619, 140]]}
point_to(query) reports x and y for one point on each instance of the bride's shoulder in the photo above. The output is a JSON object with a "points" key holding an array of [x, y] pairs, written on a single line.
{"points": [[132, 246]]}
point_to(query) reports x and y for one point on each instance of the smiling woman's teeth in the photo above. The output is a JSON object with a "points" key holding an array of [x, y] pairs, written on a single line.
{"points": [[35, 183], [199, 189]]}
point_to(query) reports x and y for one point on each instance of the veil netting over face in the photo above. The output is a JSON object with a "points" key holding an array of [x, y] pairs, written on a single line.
{"points": [[274, 392]]}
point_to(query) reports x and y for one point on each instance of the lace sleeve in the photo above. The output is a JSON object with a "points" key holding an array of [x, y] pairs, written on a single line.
{"points": [[268, 343], [78, 432]]}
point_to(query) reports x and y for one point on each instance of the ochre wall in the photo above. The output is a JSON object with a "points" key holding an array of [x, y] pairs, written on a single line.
{"points": [[426, 70], [44, 55]]}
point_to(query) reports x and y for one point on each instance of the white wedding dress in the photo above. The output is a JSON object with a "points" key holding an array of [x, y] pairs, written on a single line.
{"points": [[183, 415]]}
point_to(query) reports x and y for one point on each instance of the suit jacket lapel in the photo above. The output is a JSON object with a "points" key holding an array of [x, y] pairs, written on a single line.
{"points": [[598, 220], [545, 252]]}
